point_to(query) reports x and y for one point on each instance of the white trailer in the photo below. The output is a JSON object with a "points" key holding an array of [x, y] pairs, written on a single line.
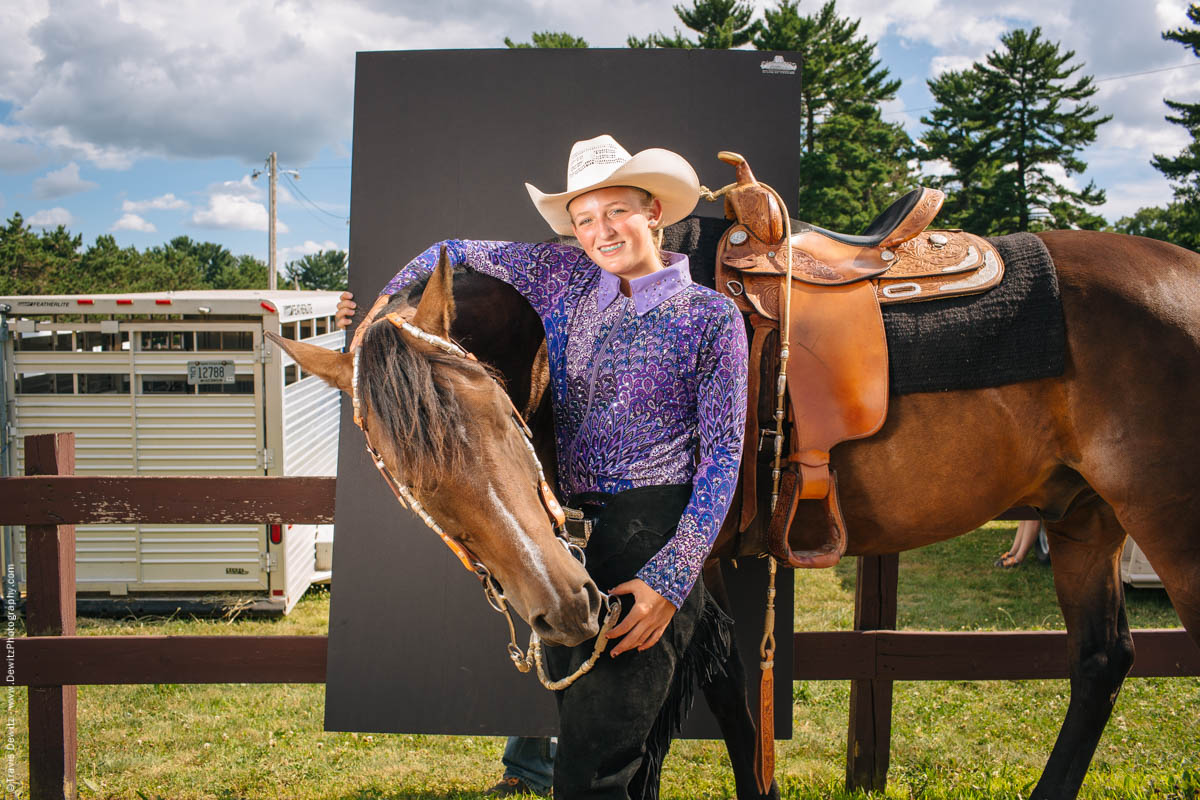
{"points": [[177, 383]]}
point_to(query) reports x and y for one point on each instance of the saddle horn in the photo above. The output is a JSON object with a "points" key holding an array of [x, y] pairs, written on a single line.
{"points": [[751, 204]]}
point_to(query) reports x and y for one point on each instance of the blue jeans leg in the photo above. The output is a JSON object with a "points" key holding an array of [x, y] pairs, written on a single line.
{"points": [[531, 758]]}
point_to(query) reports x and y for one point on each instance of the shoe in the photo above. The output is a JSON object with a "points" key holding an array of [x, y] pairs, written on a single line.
{"points": [[512, 787], [1006, 561]]}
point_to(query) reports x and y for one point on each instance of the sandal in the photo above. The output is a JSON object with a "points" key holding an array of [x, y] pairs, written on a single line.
{"points": [[1006, 561]]}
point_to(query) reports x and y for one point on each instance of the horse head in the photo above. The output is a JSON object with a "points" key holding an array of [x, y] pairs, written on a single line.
{"points": [[445, 429]]}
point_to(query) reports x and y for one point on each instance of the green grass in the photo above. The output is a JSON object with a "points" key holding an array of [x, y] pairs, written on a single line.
{"points": [[975, 740]]}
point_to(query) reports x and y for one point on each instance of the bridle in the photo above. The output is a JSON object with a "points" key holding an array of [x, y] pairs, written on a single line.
{"points": [[532, 657]]}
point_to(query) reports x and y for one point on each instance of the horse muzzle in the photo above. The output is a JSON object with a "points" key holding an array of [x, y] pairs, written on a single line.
{"points": [[574, 619]]}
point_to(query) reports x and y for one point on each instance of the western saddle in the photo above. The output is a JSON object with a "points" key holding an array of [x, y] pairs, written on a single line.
{"points": [[832, 358]]}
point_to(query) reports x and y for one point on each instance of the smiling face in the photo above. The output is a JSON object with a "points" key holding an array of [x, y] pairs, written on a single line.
{"points": [[613, 225]]}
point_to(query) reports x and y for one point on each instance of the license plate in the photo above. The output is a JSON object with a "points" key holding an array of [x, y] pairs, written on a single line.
{"points": [[204, 372]]}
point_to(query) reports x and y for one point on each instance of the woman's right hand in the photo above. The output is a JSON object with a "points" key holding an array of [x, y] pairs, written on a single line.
{"points": [[345, 310]]}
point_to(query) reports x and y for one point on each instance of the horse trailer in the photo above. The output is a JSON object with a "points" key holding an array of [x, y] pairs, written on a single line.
{"points": [[176, 383]]}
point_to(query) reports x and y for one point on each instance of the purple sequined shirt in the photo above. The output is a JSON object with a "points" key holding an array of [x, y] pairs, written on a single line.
{"points": [[648, 389]]}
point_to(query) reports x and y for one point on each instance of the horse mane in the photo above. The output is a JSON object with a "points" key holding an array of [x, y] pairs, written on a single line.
{"points": [[411, 396]]}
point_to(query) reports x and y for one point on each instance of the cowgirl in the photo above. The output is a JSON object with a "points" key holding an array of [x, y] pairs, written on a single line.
{"points": [[648, 373]]}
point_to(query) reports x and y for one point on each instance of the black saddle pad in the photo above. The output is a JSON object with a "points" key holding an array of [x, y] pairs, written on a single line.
{"points": [[1014, 332]]}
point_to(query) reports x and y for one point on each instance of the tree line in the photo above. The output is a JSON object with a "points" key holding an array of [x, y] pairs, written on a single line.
{"points": [[1003, 139], [55, 262]]}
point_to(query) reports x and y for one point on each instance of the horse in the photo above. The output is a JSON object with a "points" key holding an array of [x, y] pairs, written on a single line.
{"points": [[442, 429], [1104, 451]]}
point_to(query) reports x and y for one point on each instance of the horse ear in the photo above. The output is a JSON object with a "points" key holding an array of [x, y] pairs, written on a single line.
{"points": [[336, 369], [435, 312]]}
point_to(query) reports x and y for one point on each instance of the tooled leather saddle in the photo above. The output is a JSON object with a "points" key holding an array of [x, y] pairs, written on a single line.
{"points": [[836, 374]]}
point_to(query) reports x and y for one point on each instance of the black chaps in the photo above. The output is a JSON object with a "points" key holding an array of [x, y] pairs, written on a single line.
{"points": [[616, 722]]}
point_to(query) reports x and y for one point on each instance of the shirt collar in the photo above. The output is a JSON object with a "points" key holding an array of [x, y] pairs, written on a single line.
{"points": [[648, 291]]}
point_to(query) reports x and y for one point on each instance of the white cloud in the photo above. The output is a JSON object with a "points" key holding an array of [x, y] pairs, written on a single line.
{"points": [[61, 143], [51, 217], [245, 187], [287, 254], [938, 168], [1058, 174], [112, 82], [1125, 198], [234, 212], [166, 202], [949, 63], [61, 182], [132, 222], [16, 154]]}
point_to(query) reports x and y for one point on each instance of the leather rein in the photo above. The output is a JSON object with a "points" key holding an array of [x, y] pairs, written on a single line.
{"points": [[522, 660]]}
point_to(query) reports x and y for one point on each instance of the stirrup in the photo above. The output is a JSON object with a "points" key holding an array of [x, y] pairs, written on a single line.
{"points": [[828, 554]]}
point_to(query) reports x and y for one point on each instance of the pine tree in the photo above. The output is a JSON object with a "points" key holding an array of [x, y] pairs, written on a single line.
{"points": [[325, 269], [1004, 126], [167, 267], [957, 132], [722, 25], [548, 40], [1182, 169], [852, 162], [103, 267], [213, 258], [1177, 224], [32, 262], [247, 272]]}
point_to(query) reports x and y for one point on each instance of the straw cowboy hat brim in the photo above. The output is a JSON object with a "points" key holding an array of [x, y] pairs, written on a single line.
{"points": [[666, 175]]}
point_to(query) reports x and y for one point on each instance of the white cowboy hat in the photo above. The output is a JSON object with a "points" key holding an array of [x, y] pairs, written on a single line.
{"points": [[600, 162]]}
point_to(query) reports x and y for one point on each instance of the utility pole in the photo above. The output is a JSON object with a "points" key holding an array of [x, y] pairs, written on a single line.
{"points": [[272, 214], [272, 170]]}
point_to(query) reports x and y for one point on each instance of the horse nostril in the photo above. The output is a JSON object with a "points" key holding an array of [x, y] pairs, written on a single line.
{"points": [[538, 623], [594, 599]]}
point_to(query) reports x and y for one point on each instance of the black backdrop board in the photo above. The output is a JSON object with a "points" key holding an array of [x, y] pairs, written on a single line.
{"points": [[443, 142]]}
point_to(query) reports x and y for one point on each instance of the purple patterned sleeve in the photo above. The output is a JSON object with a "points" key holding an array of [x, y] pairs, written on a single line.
{"points": [[538, 271], [721, 409]]}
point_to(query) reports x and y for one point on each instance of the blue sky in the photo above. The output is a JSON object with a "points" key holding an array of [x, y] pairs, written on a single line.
{"points": [[145, 119]]}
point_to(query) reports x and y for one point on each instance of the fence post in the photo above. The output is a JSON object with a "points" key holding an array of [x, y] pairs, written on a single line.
{"points": [[50, 611], [870, 737]]}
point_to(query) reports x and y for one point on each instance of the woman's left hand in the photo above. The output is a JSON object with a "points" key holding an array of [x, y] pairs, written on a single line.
{"points": [[645, 622]]}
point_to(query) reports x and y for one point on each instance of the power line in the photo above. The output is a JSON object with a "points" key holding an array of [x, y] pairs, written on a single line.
{"points": [[1147, 72], [308, 200], [1097, 80]]}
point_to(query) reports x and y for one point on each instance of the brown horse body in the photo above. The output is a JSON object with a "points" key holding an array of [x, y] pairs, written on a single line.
{"points": [[1108, 449]]}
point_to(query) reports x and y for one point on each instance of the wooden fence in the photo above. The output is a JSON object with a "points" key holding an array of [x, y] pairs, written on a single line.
{"points": [[52, 660]]}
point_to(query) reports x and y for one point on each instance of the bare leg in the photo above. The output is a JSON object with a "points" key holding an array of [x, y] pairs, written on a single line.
{"points": [[1027, 531]]}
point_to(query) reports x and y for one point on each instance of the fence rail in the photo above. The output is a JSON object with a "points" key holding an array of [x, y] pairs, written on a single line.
{"points": [[52, 660], [111, 500]]}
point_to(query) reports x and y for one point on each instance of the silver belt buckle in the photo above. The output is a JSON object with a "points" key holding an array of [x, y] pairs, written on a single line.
{"points": [[579, 526]]}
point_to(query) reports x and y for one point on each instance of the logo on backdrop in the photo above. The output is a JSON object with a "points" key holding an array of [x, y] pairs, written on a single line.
{"points": [[777, 66]]}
